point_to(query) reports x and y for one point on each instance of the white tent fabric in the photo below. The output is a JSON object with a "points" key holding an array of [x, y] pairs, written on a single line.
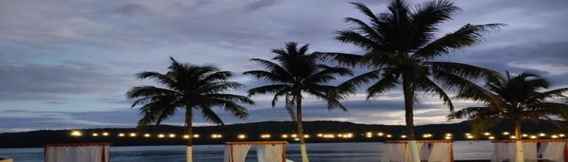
{"points": [[440, 152], [530, 152], [429, 151], [393, 152], [266, 151], [237, 153], [270, 153], [553, 151], [505, 152], [77, 153]]}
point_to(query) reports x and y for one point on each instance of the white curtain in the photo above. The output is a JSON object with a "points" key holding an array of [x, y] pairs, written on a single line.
{"points": [[530, 152], [504, 152], [408, 153], [236, 153], [77, 154], [270, 153], [554, 151], [393, 152], [426, 151], [440, 152]]}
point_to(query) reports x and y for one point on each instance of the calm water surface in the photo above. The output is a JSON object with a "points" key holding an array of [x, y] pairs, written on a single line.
{"points": [[328, 152]]}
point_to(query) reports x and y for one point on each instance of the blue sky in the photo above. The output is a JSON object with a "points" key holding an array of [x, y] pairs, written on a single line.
{"points": [[68, 63]]}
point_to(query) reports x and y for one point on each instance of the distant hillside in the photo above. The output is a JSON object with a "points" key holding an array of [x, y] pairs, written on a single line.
{"points": [[254, 131]]}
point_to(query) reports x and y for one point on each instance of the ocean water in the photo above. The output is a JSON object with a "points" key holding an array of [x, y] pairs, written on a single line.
{"points": [[320, 152]]}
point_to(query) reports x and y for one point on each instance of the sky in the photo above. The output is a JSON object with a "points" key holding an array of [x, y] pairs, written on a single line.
{"points": [[68, 63]]}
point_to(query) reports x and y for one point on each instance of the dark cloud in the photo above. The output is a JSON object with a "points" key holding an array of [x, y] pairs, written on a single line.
{"points": [[72, 61]]}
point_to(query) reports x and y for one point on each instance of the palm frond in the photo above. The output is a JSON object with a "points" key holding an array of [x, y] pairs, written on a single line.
{"points": [[465, 36]]}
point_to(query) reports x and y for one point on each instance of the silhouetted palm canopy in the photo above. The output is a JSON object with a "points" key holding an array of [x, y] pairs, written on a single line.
{"points": [[522, 97], [187, 87], [400, 48], [294, 71]]}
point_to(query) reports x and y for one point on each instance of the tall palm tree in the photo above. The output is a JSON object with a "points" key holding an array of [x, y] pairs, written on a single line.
{"points": [[518, 98], [400, 49], [292, 72], [187, 87]]}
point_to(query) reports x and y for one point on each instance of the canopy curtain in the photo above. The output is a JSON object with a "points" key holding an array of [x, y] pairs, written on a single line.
{"points": [[505, 152], [441, 152], [397, 152], [94, 153], [270, 153], [553, 151], [236, 153]]}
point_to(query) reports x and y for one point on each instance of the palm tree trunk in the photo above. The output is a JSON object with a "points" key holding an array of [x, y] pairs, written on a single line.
{"points": [[409, 117], [519, 149], [189, 144], [303, 149]]}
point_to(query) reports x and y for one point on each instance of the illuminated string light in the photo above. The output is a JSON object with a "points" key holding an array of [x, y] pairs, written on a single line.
{"points": [[561, 135], [216, 136], [265, 136], [132, 135], [542, 134], [147, 135], [487, 134], [106, 134], [242, 136], [121, 135], [284, 136], [491, 137], [76, 133], [161, 135], [380, 134], [369, 134], [554, 136], [185, 136], [172, 135], [95, 134], [196, 136], [533, 137], [506, 133], [403, 136], [389, 136]]}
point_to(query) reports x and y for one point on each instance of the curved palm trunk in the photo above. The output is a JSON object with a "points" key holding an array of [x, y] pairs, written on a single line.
{"points": [[189, 144], [519, 149], [409, 118], [300, 127]]}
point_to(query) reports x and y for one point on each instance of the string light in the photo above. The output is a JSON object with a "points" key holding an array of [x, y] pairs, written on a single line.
{"points": [[76, 133], [95, 134], [242, 136], [487, 134], [380, 134], [491, 137], [147, 135], [369, 134], [185, 136], [403, 136], [216, 136], [389, 136], [506, 133], [284, 136], [561, 135], [121, 135], [533, 137], [172, 135], [554, 136], [132, 135], [265, 136], [196, 136], [106, 134], [541, 134], [161, 135]]}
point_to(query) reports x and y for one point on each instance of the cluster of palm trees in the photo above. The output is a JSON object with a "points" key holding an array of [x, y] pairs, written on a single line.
{"points": [[400, 50]]}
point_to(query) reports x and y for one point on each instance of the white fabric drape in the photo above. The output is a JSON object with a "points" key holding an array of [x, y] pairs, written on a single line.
{"points": [[530, 152], [393, 152], [440, 152], [236, 153], [554, 151], [426, 151], [408, 152], [504, 152], [76, 154], [270, 153]]}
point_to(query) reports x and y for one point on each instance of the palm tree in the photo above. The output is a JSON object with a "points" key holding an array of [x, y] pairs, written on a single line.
{"points": [[187, 87], [294, 71], [518, 98], [400, 47]]}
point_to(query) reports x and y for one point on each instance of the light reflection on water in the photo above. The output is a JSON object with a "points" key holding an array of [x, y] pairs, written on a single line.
{"points": [[328, 152]]}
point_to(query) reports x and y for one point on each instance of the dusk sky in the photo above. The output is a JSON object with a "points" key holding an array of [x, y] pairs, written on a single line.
{"points": [[69, 63]]}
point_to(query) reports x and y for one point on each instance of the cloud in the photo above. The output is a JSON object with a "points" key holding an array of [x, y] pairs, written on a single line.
{"points": [[76, 59]]}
